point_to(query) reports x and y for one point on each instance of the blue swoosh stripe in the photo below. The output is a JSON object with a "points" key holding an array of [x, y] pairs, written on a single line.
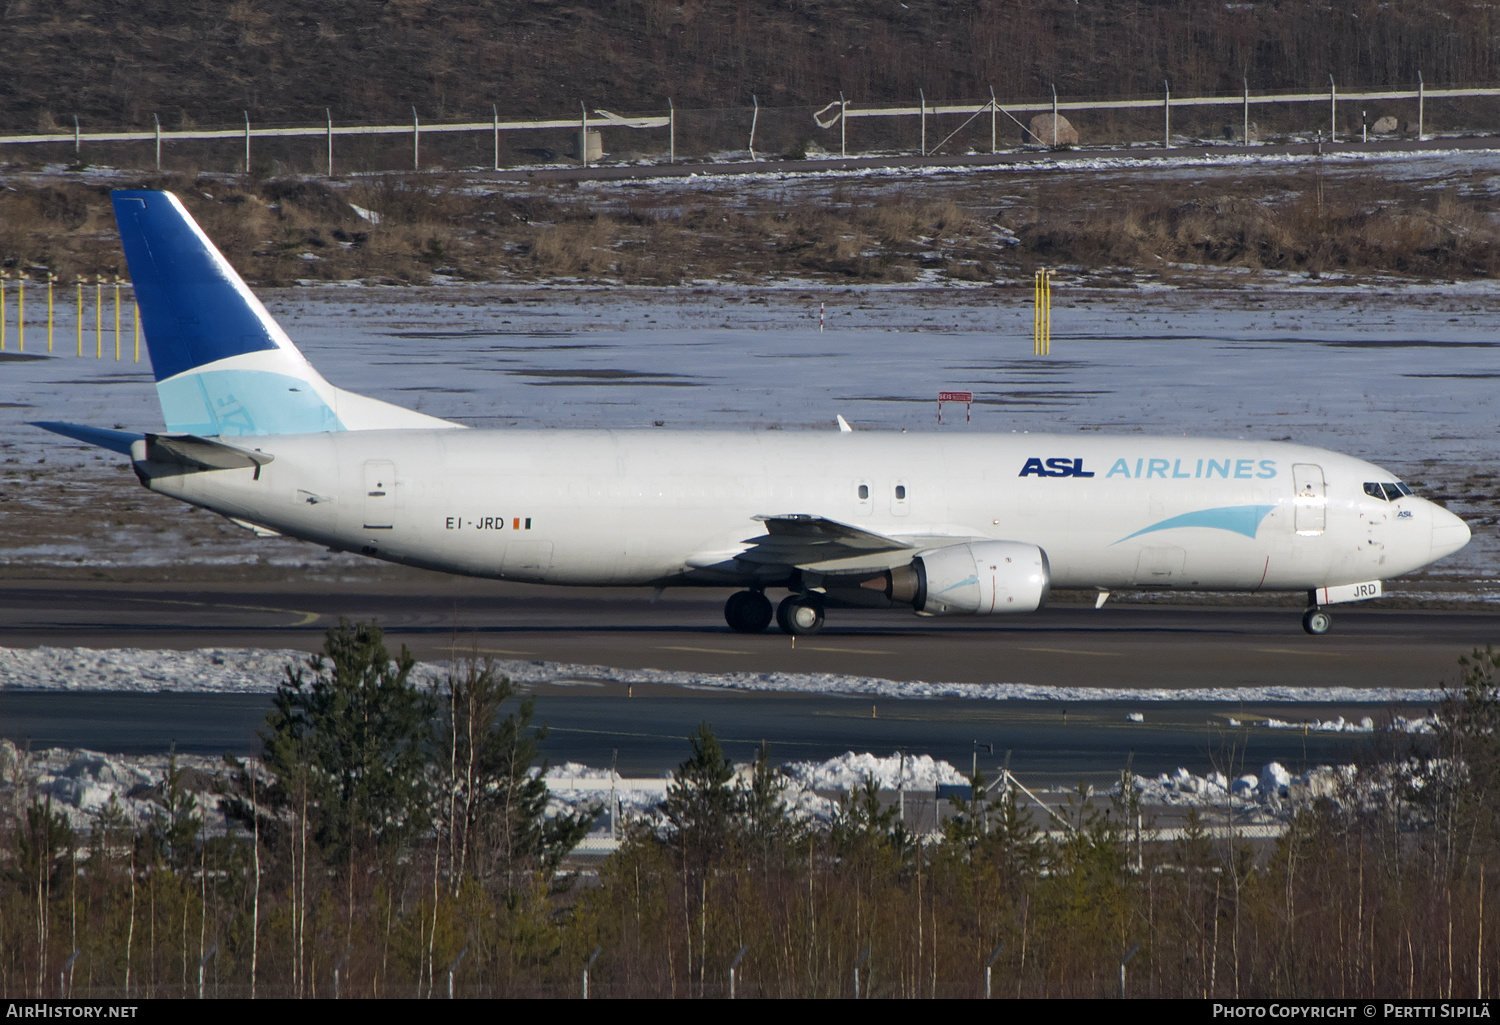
{"points": [[1238, 519]]}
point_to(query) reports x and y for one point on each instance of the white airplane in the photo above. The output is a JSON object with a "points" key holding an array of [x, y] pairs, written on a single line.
{"points": [[941, 524]]}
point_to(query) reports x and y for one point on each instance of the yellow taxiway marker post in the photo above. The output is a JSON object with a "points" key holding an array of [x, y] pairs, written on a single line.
{"points": [[79, 319], [98, 316], [21, 312], [135, 321], [50, 279], [117, 318]]}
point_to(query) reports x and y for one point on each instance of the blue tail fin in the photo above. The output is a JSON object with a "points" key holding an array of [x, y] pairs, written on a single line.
{"points": [[223, 366]]}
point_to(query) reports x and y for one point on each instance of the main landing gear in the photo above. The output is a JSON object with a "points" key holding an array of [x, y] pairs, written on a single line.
{"points": [[800, 614], [1316, 622], [749, 612]]}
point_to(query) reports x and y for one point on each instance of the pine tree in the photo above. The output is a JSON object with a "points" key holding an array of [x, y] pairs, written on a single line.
{"points": [[493, 786], [700, 802], [353, 730]]}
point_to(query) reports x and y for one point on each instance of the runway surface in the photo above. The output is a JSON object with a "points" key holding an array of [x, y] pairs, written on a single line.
{"points": [[1131, 646], [1120, 645]]}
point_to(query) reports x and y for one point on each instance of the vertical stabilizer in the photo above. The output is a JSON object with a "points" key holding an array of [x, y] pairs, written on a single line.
{"points": [[223, 366]]}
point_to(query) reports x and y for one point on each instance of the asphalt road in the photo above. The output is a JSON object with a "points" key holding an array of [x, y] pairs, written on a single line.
{"points": [[1120, 645]]}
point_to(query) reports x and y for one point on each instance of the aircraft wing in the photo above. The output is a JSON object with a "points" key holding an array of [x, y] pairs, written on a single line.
{"points": [[798, 539]]}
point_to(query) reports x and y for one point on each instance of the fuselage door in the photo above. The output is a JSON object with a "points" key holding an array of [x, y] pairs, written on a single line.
{"points": [[1311, 499], [380, 495]]}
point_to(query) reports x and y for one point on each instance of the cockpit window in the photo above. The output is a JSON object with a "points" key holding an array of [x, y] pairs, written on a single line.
{"points": [[1386, 492]]}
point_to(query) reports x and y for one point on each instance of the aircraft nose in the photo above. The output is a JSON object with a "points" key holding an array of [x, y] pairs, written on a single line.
{"points": [[1449, 533]]}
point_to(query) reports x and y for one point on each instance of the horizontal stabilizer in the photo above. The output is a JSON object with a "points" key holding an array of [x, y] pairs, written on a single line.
{"points": [[115, 441], [201, 453]]}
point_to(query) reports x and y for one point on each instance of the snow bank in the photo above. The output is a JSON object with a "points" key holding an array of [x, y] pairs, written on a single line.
{"points": [[255, 670], [849, 771], [1267, 791]]}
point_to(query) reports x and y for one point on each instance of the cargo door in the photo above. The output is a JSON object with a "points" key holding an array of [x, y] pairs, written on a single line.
{"points": [[1310, 499], [380, 495], [1160, 567]]}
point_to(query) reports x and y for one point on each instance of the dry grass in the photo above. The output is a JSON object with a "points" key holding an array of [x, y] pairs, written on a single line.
{"points": [[282, 230]]}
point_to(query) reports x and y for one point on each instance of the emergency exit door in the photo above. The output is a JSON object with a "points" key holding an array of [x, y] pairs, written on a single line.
{"points": [[1311, 499]]}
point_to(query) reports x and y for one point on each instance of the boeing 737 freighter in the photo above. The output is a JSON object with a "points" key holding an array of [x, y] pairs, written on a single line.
{"points": [[939, 524]]}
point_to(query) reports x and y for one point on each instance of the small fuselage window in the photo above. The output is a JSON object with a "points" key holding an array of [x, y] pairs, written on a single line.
{"points": [[864, 492], [900, 492]]}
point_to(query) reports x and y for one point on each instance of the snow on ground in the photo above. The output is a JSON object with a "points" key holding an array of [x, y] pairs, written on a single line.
{"points": [[204, 670], [252, 670], [81, 783]]}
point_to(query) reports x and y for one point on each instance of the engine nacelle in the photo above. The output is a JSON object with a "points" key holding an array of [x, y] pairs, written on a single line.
{"points": [[977, 579]]}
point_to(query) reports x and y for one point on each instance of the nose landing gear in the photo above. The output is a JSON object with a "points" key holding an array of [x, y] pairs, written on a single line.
{"points": [[1316, 622], [748, 612]]}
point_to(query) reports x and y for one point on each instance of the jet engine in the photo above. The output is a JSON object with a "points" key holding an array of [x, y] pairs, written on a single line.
{"points": [[977, 579]]}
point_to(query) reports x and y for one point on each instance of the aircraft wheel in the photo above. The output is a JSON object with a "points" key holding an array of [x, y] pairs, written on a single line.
{"points": [[800, 614], [1316, 622], [748, 612]]}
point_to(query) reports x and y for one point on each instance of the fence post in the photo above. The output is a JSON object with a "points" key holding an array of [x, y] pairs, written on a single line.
{"points": [[588, 966], [1245, 133], [495, 109], [64, 977], [1421, 99], [20, 311], [843, 126], [247, 142], [1135, 949], [671, 132], [1333, 111], [923, 100], [583, 134], [453, 968], [754, 120], [734, 966], [993, 104], [990, 965], [4, 276], [1054, 115], [416, 141], [79, 319], [329, 114], [158, 140], [1166, 139], [77, 139], [201, 962]]}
